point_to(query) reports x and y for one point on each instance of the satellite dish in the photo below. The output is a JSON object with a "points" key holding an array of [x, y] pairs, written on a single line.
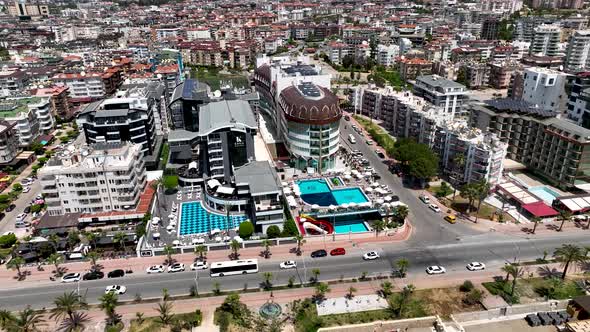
{"points": [[83, 73], [217, 93]]}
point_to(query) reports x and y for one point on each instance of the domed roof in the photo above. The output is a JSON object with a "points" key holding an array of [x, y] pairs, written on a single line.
{"points": [[263, 71], [310, 104]]}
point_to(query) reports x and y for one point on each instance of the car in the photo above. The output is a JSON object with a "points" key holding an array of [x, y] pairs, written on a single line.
{"points": [[199, 265], [581, 217], [380, 155], [93, 275], [117, 289], [371, 255], [71, 277], [21, 217], [476, 266], [397, 273], [365, 162], [347, 118], [319, 253], [434, 208], [155, 269], [337, 252], [424, 199], [116, 274], [10, 207], [451, 218], [369, 142], [26, 189], [288, 265], [435, 269], [27, 209], [395, 198], [176, 267]]}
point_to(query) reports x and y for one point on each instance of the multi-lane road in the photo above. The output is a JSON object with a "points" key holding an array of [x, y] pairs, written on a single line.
{"points": [[433, 242]]}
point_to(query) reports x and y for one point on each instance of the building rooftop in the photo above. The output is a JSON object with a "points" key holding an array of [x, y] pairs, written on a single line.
{"points": [[260, 176], [92, 156], [438, 81], [226, 113], [300, 69], [518, 106], [10, 108]]}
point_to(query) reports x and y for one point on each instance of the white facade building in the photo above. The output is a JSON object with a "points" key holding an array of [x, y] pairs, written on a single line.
{"points": [[441, 92], [32, 116], [545, 88], [386, 54], [82, 85], [199, 33], [578, 51], [546, 39], [91, 179]]}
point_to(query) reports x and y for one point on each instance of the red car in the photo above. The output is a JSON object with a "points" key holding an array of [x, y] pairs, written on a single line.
{"points": [[337, 252]]}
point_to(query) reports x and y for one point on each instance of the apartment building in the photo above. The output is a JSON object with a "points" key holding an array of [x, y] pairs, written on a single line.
{"points": [[410, 68], [386, 54], [13, 82], [101, 177], [83, 86], [577, 56], [578, 107], [337, 51], [8, 141], [556, 149], [476, 74], [500, 74], [546, 39], [31, 115], [446, 94], [24, 9], [59, 97], [545, 87]]}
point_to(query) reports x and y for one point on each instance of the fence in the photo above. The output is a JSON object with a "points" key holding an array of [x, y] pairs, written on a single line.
{"points": [[521, 309], [390, 325]]}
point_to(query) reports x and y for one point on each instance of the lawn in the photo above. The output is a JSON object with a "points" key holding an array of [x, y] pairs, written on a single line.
{"points": [[382, 138], [213, 77], [153, 324], [486, 211], [445, 301], [535, 289]]}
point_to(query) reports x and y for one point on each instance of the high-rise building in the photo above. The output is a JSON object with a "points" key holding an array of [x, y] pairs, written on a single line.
{"points": [[446, 94], [545, 88], [489, 29], [23, 9], [578, 51], [546, 40]]}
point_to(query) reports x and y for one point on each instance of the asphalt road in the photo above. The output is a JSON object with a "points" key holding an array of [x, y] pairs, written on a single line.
{"points": [[434, 242]]}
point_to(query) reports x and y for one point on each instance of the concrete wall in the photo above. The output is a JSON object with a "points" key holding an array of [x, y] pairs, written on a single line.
{"points": [[522, 309], [383, 326]]}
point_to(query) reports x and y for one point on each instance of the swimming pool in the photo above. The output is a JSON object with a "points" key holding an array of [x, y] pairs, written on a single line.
{"points": [[194, 219], [353, 226], [544, 193], [318, 192]]}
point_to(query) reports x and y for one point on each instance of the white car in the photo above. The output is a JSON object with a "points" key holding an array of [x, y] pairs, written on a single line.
{"points": [[21, 217], [176, 267], [288, 265], [26, 189], [435, 269], [424, 199], [476, 266], [434, 208], [371, 255], [581, 217], [198, 265], [71, 277], [155, 269], [117, 289]]}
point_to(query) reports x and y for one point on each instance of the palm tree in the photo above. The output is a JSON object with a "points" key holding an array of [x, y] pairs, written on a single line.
{"points": [[93, 256], [320, 291], [92, 238], [386, 289], [300, 241], [120, 238], [76, 323], [402, 264], [267, 280], [73, 239], [459, 160], [139, 317], [483, 190], [402, 213], [514, 271], [15, 264], [235, 247], [266, 243], [535, 220], [109, 302], [470, 192], [55, 259], [54, 239], [567, 254], [201, 250], [351, 291], [27, 320], [564, 216], [5, 316], [66, 305], [227, 208], [165, 312], [316, 273], [397, 304], [378, 226], [169, 251], [157, 185]]}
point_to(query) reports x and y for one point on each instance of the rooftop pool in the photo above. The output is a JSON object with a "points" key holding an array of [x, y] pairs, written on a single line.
{"points": [[544, 193], [317, 191]]}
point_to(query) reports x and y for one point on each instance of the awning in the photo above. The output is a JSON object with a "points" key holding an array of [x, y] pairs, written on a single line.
{"points": [[540, 209], [225, 190], [192, 164], [213, 183]]}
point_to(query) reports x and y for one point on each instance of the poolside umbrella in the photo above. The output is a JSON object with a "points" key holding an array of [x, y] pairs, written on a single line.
{"points": [[215, 231], [344, 205], [352, 204], [347, 177], [200, 240], [284, 184], [375, 184], [332, 207], [170, 216], [369, 189], [368, 174], [218, 239], [354, 171], [387, 198], [315, 206], [367, 204], [302, 219], [346, 173], [155, 221], [173, 223], [156, 235], [379, 201], [386, 205], [176, 242], [287, 190], [195, 241]]}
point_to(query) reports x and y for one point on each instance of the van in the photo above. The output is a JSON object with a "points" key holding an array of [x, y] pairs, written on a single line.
{"points": [[451, 218], [351, 139], [21, 224]]}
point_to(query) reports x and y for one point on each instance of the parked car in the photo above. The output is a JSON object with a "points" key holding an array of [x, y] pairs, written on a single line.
{"points": [[155, 269], [26, 189], [476, 266], [380, 154], [434, 208], [435, 269], [71, 277], [319, 253], [424, 199], [369, 142], [176, 267], [27, 209], [337, 252], [347, 118], [371, 255], [93, 275], [288, 265], [116, 273], [199, 265], [21, 217], [117, 289], [10, 207], [581, 217]]}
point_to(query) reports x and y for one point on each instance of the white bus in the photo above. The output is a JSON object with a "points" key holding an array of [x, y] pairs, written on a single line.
{"points": [[351, 139], [220, 269]]}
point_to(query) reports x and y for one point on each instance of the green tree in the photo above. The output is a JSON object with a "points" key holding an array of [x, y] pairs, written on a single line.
{"points": [[273, 231], [15, 264], [170, 182], [403, 265], [169, 251], [483, 190], [201, 251], [401, 212], [165, 315], [7, 241], [300, 241], [73, 239], [289, 228], [568, 254], [109, 302], [93, 256], [246, 229], [536, 220], [514, 271], [5, 317], [120, 238], [320, 291], [267, 244], [27, 320], [350, 292], [444, 190], [267, 280], [471, 193], [56, 259], [91, 237], [235, 248], [316, 274], [76, 323], [398, 303], [66, 305], [564, 216], [379, 226], [473, 297], [17, 187], [462, 77], [386, 289]]}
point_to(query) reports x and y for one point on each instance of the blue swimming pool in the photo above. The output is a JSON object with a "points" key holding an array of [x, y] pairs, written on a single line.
{"points": [[544, 193], [318, 192], [194, 219], [352, 226]]}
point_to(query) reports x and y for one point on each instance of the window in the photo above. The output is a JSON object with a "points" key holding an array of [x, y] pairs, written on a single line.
{"points": [[551, 81]]}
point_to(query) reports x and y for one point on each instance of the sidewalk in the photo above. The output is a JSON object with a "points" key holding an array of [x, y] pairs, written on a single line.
{"points": [[139, 264]]}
